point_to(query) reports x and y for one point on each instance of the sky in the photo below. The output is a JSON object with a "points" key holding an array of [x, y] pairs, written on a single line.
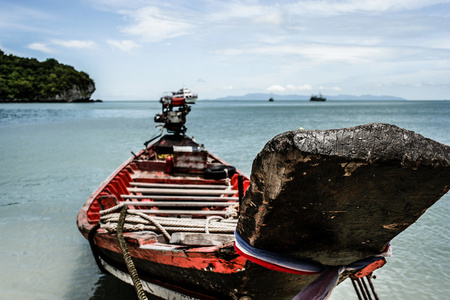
{"points": [[139, 49]]}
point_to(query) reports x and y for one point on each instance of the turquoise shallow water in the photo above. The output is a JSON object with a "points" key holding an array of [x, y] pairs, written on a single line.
{"points": [[53, 156]]}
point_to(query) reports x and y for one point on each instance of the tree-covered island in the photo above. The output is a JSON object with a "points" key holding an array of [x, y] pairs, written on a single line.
{"points": [[28, 80]]}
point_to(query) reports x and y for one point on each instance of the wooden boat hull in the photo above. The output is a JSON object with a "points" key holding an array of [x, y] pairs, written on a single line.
{"points": [[251, 280], [184, 272]]}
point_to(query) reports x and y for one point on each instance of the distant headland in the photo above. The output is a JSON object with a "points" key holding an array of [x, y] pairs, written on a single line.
{"points": [[28, 80]]}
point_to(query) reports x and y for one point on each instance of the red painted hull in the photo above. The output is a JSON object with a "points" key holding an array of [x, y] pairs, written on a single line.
{"points": [[202, 272]]}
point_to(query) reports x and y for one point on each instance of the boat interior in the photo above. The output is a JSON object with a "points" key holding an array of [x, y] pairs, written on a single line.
{"points": [[176, 180]]}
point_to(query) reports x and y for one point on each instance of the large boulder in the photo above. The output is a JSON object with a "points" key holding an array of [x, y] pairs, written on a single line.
{"points": [[336, 196]]}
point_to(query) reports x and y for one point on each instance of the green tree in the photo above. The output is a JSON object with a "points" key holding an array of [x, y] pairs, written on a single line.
{"points": [[27, 79]]}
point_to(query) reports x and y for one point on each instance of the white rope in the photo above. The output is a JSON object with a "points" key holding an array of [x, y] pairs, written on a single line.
{"points": [[137, 221], [173, 224], [149, 218], [136, 218], [208, 219], [111, 209], [111, 227]]}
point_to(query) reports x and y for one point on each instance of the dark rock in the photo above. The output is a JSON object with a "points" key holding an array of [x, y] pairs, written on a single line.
{"points": [[336, 196]]}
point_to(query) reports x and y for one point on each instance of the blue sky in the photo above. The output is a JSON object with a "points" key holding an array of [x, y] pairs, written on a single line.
{"points": [[136, 50]]}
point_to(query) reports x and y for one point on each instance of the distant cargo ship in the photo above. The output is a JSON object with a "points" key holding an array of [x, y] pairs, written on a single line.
{"points": [[317, 98]]}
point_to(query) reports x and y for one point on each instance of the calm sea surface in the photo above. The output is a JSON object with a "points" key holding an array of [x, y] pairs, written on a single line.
{"points": [[53, 156]]}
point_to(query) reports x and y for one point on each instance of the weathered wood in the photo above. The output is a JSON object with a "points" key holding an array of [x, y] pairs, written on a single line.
{"points": [[180, 198], [201, 239], [180, 203], [170, 191], [336, 196], [179, 186], [182, 212]]}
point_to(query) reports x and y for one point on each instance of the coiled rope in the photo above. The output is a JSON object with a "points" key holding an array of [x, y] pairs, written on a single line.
{"points": [[137, 221]]}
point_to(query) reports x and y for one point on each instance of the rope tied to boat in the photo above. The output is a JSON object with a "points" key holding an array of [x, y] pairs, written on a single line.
{"points": [[127, 257], [208, 219], [322, 286], [137, 221]]}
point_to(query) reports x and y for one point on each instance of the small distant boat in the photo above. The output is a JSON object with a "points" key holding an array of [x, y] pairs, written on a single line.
{"points": [[185, 94], [271, 100], [317, 98], [181, 97]]}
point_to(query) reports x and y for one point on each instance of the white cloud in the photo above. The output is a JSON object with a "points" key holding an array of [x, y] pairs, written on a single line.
{"points": [[224, 11], [305, 87], [319, 53], [276, 88], [439, 43], [413, 84], [355, 6], [73, 43], [289, 87], [40, 47], [50, 46], [334, 89], [125, 45], [154, 25], [275, 18], [14, 15]]}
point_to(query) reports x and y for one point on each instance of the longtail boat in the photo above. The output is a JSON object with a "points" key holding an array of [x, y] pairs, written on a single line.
{"points": [[178, 222]]}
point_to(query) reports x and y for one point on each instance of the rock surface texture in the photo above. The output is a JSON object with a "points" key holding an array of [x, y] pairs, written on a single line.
{"points": [[336, 196], [75, 94]]}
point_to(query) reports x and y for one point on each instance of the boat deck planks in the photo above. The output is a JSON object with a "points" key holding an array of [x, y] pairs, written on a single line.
{"points": [[197, 192], [180, 203], [177, 198], [179, 186], [182, 212]]}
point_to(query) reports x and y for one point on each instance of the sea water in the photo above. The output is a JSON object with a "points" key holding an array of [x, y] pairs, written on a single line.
{"points": [[53, 156]]}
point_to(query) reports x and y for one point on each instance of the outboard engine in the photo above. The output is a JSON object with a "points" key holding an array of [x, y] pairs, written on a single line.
{"points": [[174, 111]]}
